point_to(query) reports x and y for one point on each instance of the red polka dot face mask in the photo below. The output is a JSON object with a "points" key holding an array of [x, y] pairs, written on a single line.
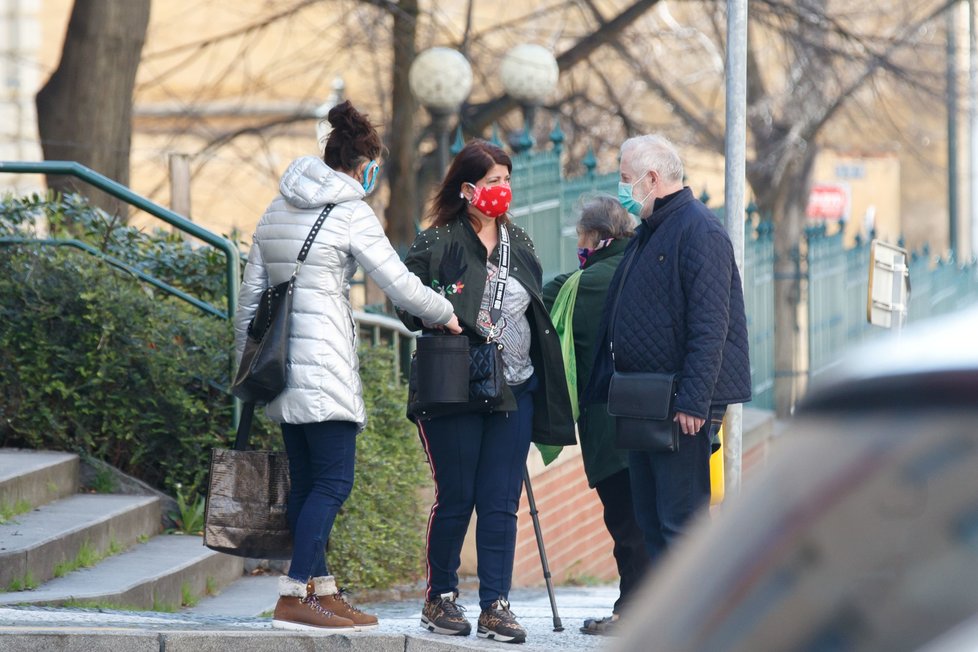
{"points": [[492, 201]]}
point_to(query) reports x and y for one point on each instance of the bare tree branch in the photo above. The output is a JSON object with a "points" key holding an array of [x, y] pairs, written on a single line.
{"points": [[477, 117]]}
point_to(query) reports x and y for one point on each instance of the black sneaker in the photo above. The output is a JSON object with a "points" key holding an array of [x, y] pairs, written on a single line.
{"points": [[443, 616], [499, 623], [600, 626]]}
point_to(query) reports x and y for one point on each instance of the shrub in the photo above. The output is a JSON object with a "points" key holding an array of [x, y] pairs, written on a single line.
{"points": [[378, 539], [94, 363], [199, 271]]}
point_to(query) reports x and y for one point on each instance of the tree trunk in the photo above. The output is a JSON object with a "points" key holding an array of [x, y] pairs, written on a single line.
{"points": [[786, 201], [84, 111], [404, 204]]}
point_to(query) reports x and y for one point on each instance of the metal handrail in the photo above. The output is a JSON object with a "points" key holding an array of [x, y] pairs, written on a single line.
{"points": [[115, 262], [378, 322], [119, 191]]}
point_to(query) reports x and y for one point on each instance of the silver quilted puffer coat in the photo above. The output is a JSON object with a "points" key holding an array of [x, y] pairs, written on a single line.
{"points": [[324, 379]]}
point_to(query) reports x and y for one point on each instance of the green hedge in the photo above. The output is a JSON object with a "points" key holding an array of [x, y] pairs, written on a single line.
{"points": [[378, 540], [92, 361]]}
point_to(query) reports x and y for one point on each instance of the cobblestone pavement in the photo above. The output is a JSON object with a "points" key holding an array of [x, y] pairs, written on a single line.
{"points": [[397, 618]]}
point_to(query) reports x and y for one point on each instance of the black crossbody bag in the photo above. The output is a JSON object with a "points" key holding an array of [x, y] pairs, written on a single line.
{"points": [[642, 402]]}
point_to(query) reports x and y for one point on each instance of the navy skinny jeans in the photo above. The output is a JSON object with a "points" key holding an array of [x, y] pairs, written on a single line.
{"points": [[321, 459], [477, 461], [669, 488]]}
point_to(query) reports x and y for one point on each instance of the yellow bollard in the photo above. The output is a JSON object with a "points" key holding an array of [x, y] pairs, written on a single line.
{"points": [[716, 472]]}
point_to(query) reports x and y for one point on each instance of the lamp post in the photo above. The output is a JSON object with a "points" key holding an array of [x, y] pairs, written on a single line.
{"points": [[529, 74], [322, 111], [440, 79]]}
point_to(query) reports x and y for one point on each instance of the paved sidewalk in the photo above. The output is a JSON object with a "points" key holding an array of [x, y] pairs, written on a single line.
{"points": [[70, 630]]}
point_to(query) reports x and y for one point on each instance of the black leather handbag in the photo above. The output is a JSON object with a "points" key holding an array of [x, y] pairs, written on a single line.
{"points": [[263, 371], [486, 379], [642, 402], [440, 370]]}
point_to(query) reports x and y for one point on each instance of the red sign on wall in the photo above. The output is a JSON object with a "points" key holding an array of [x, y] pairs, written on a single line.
{"points": [[828, 201]]}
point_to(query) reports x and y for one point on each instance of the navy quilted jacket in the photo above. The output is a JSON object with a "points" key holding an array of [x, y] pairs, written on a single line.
{"points": [[681, 310]]}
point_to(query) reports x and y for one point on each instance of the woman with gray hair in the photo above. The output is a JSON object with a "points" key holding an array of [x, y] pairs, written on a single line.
{"points": [[576, 301]]}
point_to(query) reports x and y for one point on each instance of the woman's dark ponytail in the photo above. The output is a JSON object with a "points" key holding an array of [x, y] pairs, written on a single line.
{"points": [[352, 140]]}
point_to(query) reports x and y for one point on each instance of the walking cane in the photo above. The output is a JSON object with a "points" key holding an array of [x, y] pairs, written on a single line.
{"points": [[543, 553]]}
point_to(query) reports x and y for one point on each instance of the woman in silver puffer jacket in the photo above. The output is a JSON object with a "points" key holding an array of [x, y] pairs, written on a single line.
{"points": [[321, 409]]}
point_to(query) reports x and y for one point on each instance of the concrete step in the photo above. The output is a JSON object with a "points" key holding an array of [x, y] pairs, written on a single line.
{"points": [[152, 575], [35, 478], [36, 542], [249, 596]]}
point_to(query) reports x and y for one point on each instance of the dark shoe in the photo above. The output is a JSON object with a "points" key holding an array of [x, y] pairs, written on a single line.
{"points": [[338, 604], [600, 626], [443, 616], [499, 623], [296, 613]]}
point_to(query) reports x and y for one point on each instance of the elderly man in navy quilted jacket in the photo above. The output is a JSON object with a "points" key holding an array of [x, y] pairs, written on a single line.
{"points": [[680, 310]]}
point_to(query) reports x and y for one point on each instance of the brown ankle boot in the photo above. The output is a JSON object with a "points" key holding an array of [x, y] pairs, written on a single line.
{"points": [[335, 600], [298, 608]]}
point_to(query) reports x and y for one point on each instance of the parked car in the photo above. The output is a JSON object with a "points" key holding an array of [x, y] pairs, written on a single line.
{"points": [[862, 531]]}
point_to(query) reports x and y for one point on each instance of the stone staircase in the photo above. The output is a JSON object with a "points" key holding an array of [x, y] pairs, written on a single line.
{"points": [[59, 547]]}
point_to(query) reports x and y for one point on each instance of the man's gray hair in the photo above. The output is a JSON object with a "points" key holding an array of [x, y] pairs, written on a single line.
{"points": [[654, 152], [605, 216]]}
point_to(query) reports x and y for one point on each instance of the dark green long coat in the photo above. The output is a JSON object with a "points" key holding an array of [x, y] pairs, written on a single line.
{"points": [[452, 260], [595, 425]]}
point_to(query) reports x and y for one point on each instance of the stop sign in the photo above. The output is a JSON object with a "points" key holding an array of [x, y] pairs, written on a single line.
{"points": [[828, 201]]}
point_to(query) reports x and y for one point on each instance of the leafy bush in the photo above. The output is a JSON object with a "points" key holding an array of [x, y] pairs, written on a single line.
{"points": [[94, 363], [91, 361], [199, 271]]}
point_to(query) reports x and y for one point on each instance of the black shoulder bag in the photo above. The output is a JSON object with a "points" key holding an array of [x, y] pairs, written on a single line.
{"points": [[641, 401], [263, 371], [441, 363]]}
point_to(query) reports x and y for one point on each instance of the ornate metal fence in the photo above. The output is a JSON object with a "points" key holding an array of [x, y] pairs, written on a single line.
{"points": [[758, 279], [837, 280]]}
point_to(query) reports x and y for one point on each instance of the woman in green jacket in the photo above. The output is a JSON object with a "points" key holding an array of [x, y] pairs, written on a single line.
{"points": [[477, 457], [603, 231]]}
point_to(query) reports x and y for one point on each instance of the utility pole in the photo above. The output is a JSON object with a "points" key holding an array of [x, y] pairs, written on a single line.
{"points": [[735, 151], [973, 127], [952, 131], [180, 183]]}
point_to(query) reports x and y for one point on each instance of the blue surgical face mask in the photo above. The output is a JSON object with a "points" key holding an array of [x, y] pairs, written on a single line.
{"points": [[370, 174], [631, 205]]}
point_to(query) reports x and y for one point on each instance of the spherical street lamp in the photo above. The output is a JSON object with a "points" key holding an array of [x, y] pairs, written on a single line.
{"points": [[529, 74], [440, 79]]}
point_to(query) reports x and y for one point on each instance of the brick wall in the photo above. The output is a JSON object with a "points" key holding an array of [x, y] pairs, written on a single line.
{"points": [[577, 543]]}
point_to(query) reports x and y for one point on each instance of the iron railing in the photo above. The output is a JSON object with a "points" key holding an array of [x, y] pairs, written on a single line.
{"points": [[837, 280], [121, 192], [203, 306]]}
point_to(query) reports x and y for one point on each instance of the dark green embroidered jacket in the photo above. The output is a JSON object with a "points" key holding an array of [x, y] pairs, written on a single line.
{"points": [[451, 259]]}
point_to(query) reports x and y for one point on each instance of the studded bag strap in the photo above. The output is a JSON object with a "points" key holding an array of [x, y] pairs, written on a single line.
{"points": [[311, 238], [502, 275]]}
